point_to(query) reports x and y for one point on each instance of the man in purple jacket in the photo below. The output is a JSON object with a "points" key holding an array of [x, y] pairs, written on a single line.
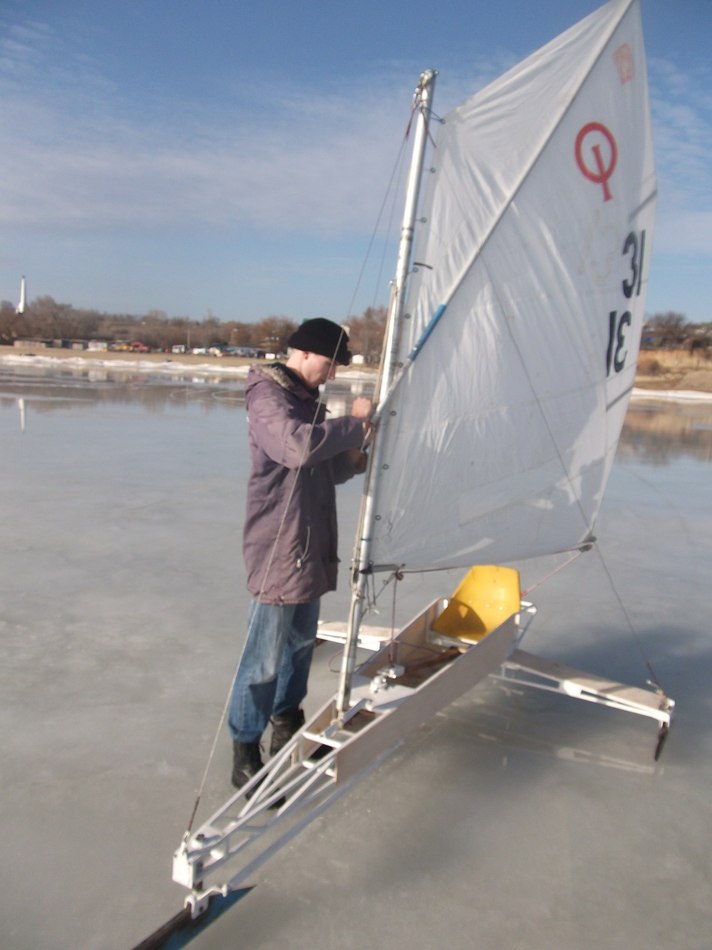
{"points": [[297, 456]]}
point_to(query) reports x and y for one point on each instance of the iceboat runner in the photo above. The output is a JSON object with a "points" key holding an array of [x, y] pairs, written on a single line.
{"points": [[513, 333]]}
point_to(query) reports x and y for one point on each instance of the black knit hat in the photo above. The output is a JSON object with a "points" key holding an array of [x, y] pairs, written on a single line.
{"points": [[323, 337]]}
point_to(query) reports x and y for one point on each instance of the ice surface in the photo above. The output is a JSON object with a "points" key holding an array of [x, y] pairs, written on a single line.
{"points": [[510, 820]]}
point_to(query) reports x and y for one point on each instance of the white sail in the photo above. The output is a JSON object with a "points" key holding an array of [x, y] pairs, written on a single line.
{"points": [[535, 237]]}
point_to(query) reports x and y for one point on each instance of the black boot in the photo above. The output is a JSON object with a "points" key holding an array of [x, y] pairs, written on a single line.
{"points": [[246, 762], [284, 727]]}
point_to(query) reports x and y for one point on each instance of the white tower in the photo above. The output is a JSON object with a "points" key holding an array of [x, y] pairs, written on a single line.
{"points": [[21, 305]]}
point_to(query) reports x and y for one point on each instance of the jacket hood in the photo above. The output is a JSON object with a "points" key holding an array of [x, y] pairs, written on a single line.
{"points": [[279, 374]]}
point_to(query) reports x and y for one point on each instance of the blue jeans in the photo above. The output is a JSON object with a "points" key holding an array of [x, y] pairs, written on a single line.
{"points": [[274, 668]]}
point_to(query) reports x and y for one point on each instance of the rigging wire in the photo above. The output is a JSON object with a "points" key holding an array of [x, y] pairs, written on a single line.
{"points": [[542, 580], [389, 196], [631, 626]]}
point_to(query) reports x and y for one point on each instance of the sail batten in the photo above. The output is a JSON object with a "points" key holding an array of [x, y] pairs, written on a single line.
{"points": [[498, 441]]}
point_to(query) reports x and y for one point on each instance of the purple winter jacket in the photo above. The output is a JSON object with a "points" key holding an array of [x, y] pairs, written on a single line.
{"points": [[293, 471]]}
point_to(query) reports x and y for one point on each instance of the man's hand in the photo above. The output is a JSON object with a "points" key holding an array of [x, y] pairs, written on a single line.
{"points": [[362, 409], [359, 460]]}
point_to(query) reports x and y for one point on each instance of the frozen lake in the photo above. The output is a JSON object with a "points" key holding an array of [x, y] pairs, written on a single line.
{"points": [[510, 820]]}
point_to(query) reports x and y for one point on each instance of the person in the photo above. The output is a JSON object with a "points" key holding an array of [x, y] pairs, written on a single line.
{"points": [[297, 456]]}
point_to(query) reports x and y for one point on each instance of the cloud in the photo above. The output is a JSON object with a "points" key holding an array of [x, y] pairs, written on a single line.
{"points": [[682, 125], [78, 156], [101, 176], [81, 155]]}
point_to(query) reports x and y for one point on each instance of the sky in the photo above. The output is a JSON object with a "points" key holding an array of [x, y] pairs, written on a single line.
{"points": [[232, 159]]}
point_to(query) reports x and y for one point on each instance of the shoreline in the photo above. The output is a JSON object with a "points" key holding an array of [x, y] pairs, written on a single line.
{"points": [[164, 363], [667, 386]]}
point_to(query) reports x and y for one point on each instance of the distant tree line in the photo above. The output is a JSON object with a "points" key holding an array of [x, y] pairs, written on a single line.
{"points": [[672, 331], [62, 324]]}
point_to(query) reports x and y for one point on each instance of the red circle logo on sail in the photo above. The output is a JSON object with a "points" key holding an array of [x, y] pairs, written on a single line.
{"points": [[596, 143]]}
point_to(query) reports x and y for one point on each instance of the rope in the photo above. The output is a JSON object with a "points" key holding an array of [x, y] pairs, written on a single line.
{"points": [[546, 577], [390, 192], [392, 649]]}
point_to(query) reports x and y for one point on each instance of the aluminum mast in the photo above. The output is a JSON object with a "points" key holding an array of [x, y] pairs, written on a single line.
{"points": [[422, 103]]}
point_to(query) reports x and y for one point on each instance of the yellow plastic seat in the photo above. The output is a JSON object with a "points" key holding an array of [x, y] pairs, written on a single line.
{"points": [[485, 597]]}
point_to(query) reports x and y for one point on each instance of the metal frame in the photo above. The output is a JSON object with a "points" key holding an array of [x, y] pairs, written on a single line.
{"points": [[536, 672], [330, 753]]}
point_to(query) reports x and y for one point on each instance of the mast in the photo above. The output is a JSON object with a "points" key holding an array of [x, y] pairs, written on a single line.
{"points": [[422, 104]]}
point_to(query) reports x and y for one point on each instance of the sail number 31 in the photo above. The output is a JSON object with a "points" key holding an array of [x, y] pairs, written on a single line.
{"points": [[634, 252]]}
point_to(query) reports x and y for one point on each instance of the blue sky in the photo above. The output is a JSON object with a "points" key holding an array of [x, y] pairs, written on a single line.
{"points": [[231, 158]]}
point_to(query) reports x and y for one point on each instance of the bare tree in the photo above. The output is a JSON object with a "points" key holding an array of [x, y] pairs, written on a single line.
{"points": [[272, 333], [667, 328], [366, 333]]}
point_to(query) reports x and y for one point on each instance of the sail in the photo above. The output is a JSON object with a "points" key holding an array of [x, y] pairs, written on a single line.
{"points": [[534, 240]]}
